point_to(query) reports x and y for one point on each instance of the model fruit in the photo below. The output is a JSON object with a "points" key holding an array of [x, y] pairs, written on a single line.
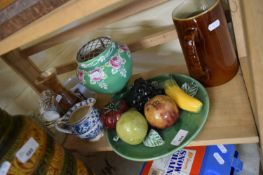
{"points": [[161, 111], [112, 113], [132, 127], [141, 92], [122, 106], [182, 99], [110, 119]]}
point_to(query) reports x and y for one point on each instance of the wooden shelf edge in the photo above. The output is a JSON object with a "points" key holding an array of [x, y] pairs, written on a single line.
{"points": [[230, 119], [243, 140], [84, 147]]}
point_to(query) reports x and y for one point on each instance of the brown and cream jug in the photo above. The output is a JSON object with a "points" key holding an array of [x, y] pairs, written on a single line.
{"points": [[205, 40]]}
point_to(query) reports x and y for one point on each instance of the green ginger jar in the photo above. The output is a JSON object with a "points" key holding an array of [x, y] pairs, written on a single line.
{"points": [[104, 66]]}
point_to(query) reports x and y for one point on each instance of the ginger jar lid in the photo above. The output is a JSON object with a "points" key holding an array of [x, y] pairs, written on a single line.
{"points": [[93, 48]]}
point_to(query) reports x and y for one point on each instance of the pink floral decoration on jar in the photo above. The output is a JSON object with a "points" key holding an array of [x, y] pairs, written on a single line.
{"points": [[96, 75], [116, 62], [80, 75], [124, 47]]}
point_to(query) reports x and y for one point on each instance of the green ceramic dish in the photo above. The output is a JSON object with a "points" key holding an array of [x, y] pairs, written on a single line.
{"points": [[191, 122]]}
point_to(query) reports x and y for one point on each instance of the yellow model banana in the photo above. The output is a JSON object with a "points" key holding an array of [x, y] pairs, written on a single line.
{"points": [[183, 100]]}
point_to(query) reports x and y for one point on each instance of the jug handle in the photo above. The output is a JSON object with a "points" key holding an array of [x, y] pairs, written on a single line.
{"points": [[91, 101], [60, 129], [195, 64]]}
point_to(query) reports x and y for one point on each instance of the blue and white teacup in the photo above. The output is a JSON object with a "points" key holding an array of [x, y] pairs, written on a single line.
{"points": [[82, 120]]}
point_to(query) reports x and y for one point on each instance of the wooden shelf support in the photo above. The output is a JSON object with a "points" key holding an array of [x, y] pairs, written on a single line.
{"points": [[24, 67]]}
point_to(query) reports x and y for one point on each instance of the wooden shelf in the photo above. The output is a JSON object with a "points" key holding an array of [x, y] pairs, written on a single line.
{"points": [[230, 119], [88, 15], [55, 20]]}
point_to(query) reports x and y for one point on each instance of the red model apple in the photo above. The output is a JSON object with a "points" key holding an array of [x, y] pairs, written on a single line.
{"points": [[161, 111], [112, 113]]}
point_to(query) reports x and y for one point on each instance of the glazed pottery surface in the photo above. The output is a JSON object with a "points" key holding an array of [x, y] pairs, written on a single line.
{"points": [[106, 72], [189, 122], [64, 98], [48, 157], [82, 120], [206, 41]]}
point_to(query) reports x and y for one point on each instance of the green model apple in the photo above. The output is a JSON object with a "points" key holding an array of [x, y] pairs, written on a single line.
{"points": [[132, 127]]}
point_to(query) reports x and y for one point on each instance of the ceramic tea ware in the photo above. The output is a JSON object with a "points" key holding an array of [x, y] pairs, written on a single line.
{"points": [[205, 40], [104, 66], [73, 84], [64, 98], [82, 120]]}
